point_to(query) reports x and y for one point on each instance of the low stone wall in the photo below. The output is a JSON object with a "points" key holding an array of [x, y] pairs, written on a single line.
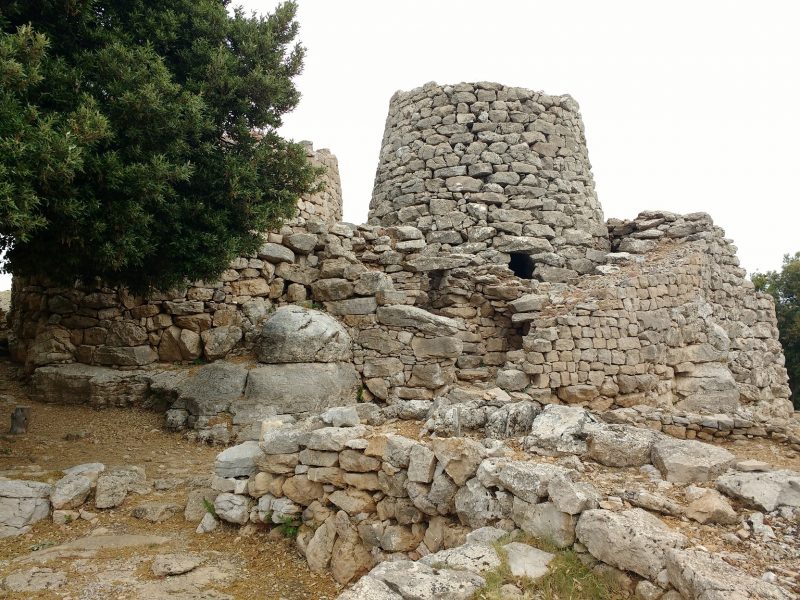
{"points": [[672, 322], [364, 495]]}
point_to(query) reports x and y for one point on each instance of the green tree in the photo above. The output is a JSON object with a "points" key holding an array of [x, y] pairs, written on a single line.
{"points": [[784, 286], [138, 139]]}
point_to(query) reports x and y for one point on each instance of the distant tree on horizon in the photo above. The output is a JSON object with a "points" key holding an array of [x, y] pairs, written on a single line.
{"points": [[138, 140], [784, 287]]}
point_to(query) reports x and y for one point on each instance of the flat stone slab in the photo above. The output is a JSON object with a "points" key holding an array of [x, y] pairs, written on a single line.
{"points": [[472, 557], [527, 561], [690, 461], [34, 580], [417, 580], [765, 491], [175, 564]]}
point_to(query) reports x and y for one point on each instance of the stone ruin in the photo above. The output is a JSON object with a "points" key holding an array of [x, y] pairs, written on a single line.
{"points": [[486, 298]]}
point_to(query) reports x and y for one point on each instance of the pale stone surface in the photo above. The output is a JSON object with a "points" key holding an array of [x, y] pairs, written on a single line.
{"points": [[34, 580], [460, 457], [234, 508], [631, 540], [766, 491], [301, 335], [620, 445], [709, 506], [545, 521], [473, 557], [238, 461], [22, 503], [527, 561], [558, 431], [70, 491], [302, 387], [175, 564], [417, 580], [155, 512], [528, 481], [697, 574], [690, 461]]}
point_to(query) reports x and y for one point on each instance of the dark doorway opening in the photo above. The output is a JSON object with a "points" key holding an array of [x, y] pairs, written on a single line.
{"points": [[522, 265]]}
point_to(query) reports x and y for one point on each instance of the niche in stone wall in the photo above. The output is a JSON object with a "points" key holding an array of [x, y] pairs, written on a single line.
{"points": [[522, 265]]}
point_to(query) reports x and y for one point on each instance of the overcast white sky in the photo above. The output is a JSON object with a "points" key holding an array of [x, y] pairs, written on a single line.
{"points": [[688, 106]]}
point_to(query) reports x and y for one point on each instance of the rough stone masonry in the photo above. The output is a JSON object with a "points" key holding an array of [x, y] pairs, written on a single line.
{"points": [[486, 261], [486, 299]]}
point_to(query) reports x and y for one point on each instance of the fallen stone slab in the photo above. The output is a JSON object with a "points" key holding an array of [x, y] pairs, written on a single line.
{"points": [[697, 574], [415, 580], [239, 460], [631, 540], [690, 461], [474, 557], [22, 503], [527, 561], [765, 491]]}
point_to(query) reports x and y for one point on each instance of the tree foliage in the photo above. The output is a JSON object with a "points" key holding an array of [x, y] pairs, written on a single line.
{"points": [[784, 286], [138, 139]]}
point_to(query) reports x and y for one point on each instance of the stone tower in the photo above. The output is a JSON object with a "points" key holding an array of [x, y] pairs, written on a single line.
{"points": [[494, 171]]}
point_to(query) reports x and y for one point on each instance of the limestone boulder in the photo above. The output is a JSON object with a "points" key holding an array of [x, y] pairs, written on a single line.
{"points": [[527, 561], [528, 480], [478, 506], [459, 457], [765, 491], [22, 503], [544, 521], [697, 574], [559, 430], [413, 317], [690, 461], [238, 461], [212, 388], [301, 335], [219, 341], [233, 508], [294, 388], [631, 540], [369, 588], [417, 580], [473, 557], [709, 506], [620, 445]]}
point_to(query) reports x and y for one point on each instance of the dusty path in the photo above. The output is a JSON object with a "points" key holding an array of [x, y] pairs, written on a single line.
{"points": [[236, 565]]}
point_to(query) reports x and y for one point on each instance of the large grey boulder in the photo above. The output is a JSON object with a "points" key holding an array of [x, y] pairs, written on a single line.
{"points": [[473, 557], [559, 430], [70, 491], [700, 575], [707, 388], [631, 540], [238, 461], [527, 480], [302, 387], [620, 445], [212, 389], [765, 491], [22, 503], [86, 384], [690, 461], [301, 335]]}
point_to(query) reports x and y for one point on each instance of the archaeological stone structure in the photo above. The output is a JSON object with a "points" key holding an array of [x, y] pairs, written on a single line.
{"points": [[486, 300]]}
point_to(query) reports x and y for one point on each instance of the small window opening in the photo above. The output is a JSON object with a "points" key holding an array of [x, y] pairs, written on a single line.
{"points": [[522, 265]]}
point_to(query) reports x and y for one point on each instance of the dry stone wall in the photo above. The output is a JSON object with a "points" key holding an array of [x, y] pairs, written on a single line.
{"points": [[445, 323]]}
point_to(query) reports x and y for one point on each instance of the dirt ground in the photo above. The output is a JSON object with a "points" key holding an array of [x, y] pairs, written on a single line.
{"points": [[237, 565]]}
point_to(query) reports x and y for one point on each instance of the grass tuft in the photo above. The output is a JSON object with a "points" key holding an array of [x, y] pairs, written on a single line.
{"points": [[567, 578]]}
